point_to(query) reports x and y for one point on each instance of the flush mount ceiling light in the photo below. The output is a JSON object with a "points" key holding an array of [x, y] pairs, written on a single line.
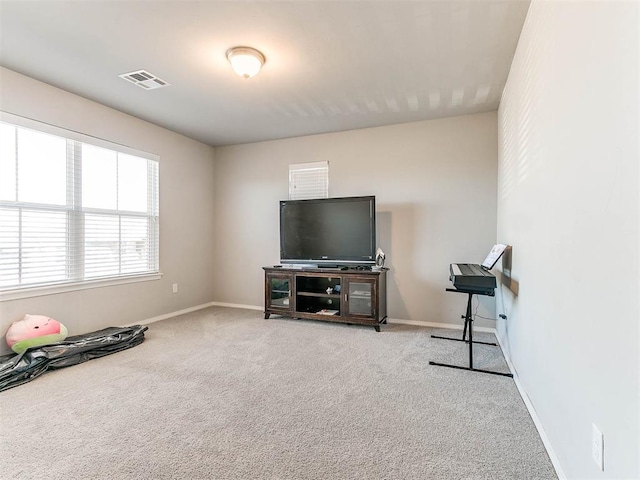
{"points": [[245, 61]]}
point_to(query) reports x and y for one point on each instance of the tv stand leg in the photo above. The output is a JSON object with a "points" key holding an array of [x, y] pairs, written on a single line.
{"points": [[266, 315], [377, 327]]}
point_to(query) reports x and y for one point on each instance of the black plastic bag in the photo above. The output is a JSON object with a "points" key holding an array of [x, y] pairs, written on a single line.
{"points": [[24, 367]]}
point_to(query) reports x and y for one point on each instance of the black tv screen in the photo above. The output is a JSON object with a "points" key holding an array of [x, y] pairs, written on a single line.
{"points": [[338, 231]]}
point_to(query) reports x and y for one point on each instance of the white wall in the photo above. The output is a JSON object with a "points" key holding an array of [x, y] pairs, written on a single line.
{"points": [[435, 188], [186, 212], [568, 204]]}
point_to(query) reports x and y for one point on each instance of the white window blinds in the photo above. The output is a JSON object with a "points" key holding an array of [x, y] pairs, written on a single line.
{"points": [[308, 180], [73, 208]]}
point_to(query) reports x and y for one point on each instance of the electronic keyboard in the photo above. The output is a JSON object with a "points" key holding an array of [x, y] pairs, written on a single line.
{"points": [[478, 278], [470, 276]]}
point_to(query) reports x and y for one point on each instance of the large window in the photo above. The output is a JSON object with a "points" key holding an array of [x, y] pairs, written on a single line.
{"points": [[73, 208]]}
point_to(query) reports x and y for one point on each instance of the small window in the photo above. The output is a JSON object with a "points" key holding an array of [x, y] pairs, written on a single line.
{"points": [[308, 180], [73, 208]]}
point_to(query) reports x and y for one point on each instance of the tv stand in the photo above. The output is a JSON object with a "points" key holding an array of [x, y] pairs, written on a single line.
{"points": [[351, 296]]}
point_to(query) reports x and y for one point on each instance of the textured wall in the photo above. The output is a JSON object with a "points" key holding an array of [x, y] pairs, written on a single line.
{"points": [[435, 188], [186, 213], [568, 204]]}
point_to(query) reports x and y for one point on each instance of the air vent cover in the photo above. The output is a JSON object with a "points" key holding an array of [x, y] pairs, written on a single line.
{"points": [[144, 79]]}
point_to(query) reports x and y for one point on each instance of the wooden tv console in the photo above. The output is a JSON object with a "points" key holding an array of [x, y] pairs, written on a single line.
{"points": [[352, 296]]}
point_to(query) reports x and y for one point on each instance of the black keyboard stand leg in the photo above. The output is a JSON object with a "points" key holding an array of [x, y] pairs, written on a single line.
{"points": [[464, 330], [468, 324], [468, 318]]}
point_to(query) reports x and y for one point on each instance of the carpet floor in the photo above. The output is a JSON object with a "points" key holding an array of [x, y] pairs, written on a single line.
{"points": [[222, 393]]}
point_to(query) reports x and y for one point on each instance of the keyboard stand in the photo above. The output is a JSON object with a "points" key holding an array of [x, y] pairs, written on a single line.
{"points": [[468, 325]]}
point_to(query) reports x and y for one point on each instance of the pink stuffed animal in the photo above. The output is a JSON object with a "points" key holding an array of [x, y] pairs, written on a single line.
{"points": [[34, 331]]}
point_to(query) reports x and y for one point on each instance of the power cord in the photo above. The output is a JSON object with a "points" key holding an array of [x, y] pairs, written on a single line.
{"points": [[475, 314]]}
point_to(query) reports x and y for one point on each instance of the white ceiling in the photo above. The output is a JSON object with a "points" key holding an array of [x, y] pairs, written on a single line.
{"points": [[331, 65]]}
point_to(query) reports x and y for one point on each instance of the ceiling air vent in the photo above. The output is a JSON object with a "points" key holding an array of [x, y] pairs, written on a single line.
{"points": [[144, 79]]}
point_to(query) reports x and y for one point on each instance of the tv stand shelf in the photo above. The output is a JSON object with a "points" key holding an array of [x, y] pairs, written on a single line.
{"points": [[353, 296], [322, 295]]}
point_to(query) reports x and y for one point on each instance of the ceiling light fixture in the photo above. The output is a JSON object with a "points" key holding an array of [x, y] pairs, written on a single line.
{"points": [[245, 61]]}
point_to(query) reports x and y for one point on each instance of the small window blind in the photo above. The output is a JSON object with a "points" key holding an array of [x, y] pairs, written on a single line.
{"points": [[308, 180], [73, 208]]}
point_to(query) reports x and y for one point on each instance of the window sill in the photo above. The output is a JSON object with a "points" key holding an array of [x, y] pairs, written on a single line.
{"points": [[21, 293]]}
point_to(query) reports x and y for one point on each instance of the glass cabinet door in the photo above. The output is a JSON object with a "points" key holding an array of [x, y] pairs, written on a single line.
{"points": [[279, 291], [359, 297]]}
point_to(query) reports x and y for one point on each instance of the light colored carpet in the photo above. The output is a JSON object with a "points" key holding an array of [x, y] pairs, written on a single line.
{"points": [[224, 394]]}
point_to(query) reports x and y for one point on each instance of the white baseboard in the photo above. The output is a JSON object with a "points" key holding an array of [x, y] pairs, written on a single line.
{"points": [[171, 314], [193, 309], [237, 305], [450, 326], [532, 411]]}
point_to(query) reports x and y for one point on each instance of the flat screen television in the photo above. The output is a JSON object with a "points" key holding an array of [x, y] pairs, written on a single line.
{"points": [[328, 231]]}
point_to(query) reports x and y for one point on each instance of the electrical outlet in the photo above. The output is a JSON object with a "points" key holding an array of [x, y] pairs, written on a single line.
{"points": [[175, 288], [597, 446]]}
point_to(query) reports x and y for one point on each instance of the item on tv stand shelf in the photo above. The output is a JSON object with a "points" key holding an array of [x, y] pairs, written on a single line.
{"points": [[356, 267], [362, 293]]}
